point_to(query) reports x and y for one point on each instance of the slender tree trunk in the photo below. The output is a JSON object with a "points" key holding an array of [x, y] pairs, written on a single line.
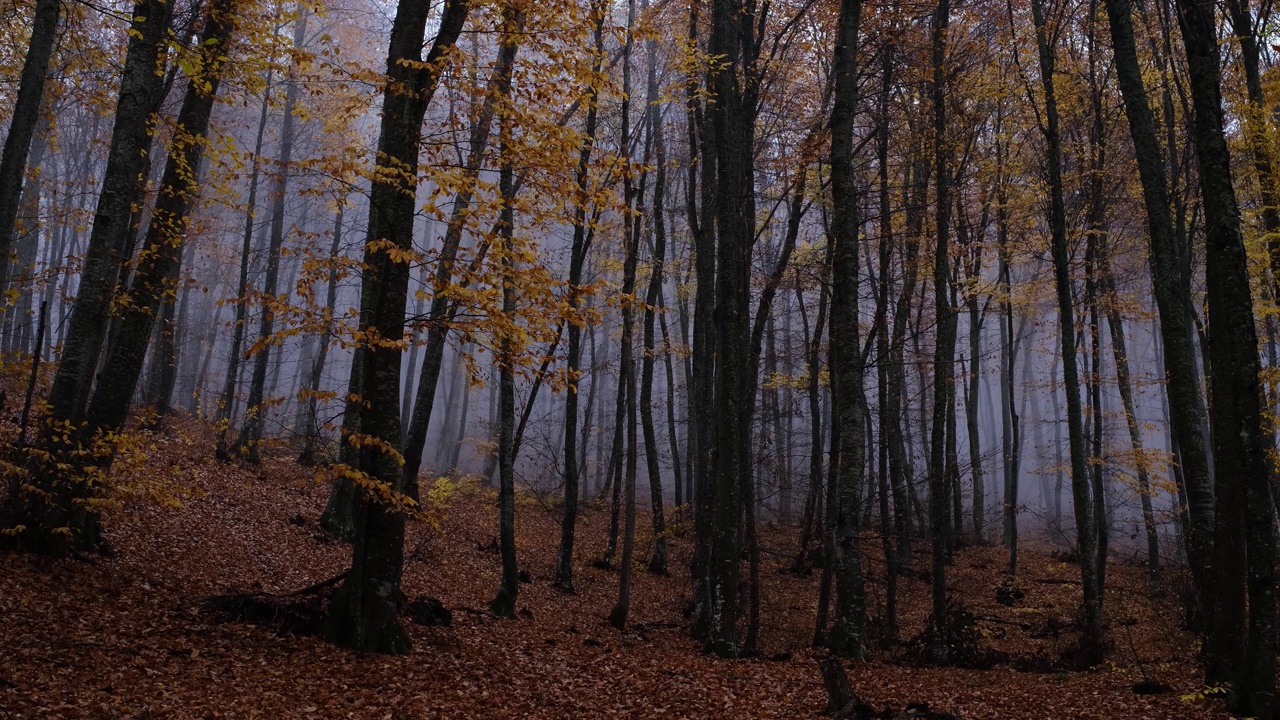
{"points": [[437, 326], [250, 439], [61, 502], [23, 123], [227, 400], [626, 480], [140, 89], [160, 259], [944, 351], [577, 262], [311, 432], [1086, 533], [653, 131], [504, 603], [846, 637]]}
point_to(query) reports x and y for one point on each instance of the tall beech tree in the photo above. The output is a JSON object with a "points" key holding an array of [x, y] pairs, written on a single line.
{"points": [[1241, 646], [364, 611], [1186, 404], [848, 418], [1048, 36]]}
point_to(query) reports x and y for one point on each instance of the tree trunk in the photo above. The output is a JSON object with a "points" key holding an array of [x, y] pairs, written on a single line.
{"points": [[504, 603], [1187, 414], [311, 432], [848, 422], [363, 611], [1244, 542], [160, 259], [86, 327], [653, 132], [496, 93], [627, 375], [23, 123], [1086, 533], [250, 440], [944, 351], [62, 506], [227, 401]]}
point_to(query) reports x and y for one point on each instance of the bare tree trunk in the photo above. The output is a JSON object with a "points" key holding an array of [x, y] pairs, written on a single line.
{"points": [[504, 603], [627, 376], [1086, 532], [1187, 414], [250, 440], [944, 351], [160, 259], [227, 400], [653, 134], [311, 431], [61, 504]]}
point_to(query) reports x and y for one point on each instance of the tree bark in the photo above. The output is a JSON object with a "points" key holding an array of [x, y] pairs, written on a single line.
{"points": [[944, 350], [848, 420], [250, 440]]}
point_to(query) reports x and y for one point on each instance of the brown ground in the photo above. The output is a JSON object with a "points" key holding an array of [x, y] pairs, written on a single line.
{"points": [[125, 636]]}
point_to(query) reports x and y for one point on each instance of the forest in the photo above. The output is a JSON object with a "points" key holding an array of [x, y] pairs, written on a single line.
{"points": [[639, 358]]}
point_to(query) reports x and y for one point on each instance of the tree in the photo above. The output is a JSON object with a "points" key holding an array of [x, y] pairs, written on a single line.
{"points": [[54, 517], [159, 263], [250, 438], [22, 126], [1186, 405], [1241, 645], [1047, 38], [848, 419], [363, 612], [944, 349]]}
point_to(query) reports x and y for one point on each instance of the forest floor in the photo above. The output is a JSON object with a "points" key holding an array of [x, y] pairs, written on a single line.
{"points": [[129, 636]]}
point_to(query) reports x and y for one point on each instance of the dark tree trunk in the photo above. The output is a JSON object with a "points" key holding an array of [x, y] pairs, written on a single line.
{"points": [[702, 411], [160, 259], [86, 327], [1256, 130], [733, 87], [1186, 405], [626, 479], [23, 123], [504, 603], [437, 326], [892, 530], [310, 431], [848, 421], [944, 351], [577, 262], [653, 131], [1238, 650], [1086, 532], [227, 401], [363, 612], [63, 507]]}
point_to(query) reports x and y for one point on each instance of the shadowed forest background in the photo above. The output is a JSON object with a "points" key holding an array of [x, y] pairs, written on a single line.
{"points": [[741, 358]]}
